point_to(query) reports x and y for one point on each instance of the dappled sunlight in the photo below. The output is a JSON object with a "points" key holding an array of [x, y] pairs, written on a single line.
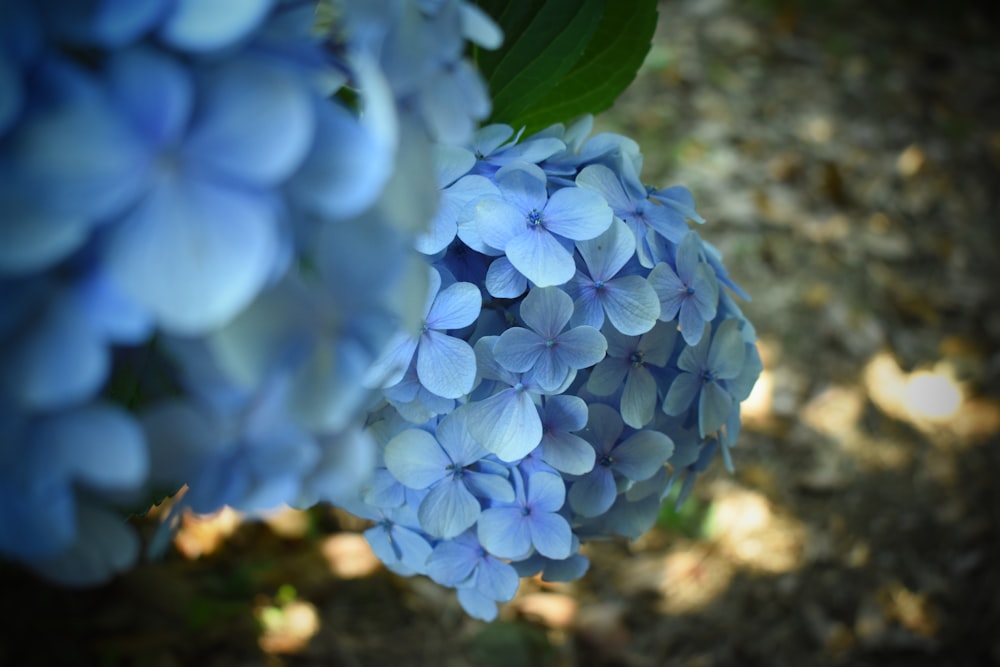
{"points": [[349, 556], [753, 533], [931, 399], [203, 534], [287, 623]]}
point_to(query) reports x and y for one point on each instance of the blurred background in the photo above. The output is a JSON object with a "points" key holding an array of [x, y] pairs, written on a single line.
{"points": [[846, 155]]}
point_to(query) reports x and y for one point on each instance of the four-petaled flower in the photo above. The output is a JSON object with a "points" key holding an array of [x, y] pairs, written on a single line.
{"points": [[692, 291]]}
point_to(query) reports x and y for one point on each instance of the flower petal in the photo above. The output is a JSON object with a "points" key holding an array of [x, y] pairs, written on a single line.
{"points": [[449, 509], [541, 258], [506, 424], [594, 493], [551, 535], [504, 532], [446, 366], [631, 304], [415, 458]]}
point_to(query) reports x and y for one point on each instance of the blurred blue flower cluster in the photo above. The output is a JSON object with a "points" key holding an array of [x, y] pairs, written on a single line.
{"points": [[275, 260]]}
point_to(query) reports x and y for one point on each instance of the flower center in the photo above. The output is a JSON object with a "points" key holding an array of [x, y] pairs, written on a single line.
{"points": [[534, 218], [606, 460], [636, 358]]}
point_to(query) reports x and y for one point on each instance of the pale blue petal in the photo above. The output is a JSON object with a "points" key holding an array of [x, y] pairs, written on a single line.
{"points": [[98, 445], [551, 535], [415, 458], [580, 347], [506, 424], [504, 532], [523, 186], [714, 406], [383, 490], [682, 391], [256, 122], [567, 453], [725, 356], [195, 253], [599, 178], [451, 163], [390, 366], [606, 254], [451, 563], [346, 167], [498, 222], [155, 92], [504, 281], [105, 546], [477, 605], [604, 426], [546, 492], [587, 307], [549, 372], [669, 288], [706, 292], [204, 25], [497, 580], [491, 137], [631, 304], [541, 258], [566, 569], [577, 213], [657, 344], [694, 359], [594, 493], [546, 310], [642, 454], [453, 434], [518, 350], [449, 509], [688, 257], [665, 221], [565, 413], [446, 366], [495, 488], [455, 307], [692, 324], [639, 398]]}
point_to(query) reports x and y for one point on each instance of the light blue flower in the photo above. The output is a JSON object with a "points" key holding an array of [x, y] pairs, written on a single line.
{"points": [[444, 465], [689, 294], [546, 352], [445, 365], [481, 578], [704, 370], [531, 522], [628, 362], [506, 422], [562, 416], [533, 229], [221, 139], [628, 199], [603, 289], [634, 458]]}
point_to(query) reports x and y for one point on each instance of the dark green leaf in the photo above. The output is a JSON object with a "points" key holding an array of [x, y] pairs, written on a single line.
{"points": [[543, 40], [557, 62]]}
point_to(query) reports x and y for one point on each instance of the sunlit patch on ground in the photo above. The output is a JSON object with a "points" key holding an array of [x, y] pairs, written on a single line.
{"points": [[752, 534], [287, 623], [349, 556], [930, 399], [202, 535]]}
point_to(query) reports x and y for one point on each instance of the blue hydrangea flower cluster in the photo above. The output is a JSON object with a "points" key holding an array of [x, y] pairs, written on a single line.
{"points": [[276, 265], [578, 352]]}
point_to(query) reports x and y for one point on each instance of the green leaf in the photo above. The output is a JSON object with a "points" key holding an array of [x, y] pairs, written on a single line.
{"points": [[543, 40], [552, 69]]}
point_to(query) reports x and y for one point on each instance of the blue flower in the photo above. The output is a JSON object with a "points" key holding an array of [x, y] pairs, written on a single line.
{"points": [[481, 578], [629, 301], [444, 465], [446, 365], [704, 370], [628, 360], [56, 473], [506, 422], [219, 139], [531, 522], [531, 228], [561, 417], [635, 458], [628, 199], [691, 292], [546, 352]]}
